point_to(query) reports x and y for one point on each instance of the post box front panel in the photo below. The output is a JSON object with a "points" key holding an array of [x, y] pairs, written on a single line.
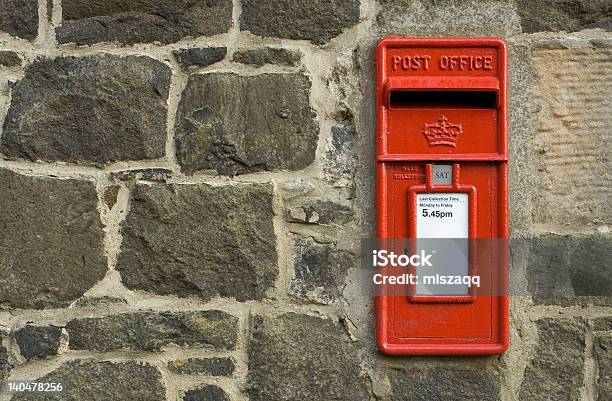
{"points": [[442, 134]]}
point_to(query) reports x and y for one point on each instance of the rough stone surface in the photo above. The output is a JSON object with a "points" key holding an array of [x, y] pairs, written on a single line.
{"points": [[444, 384], [603, 357], [142, 21], [573, 181], [444, 18], [90, 109], [340, 162], [268, 55], [203, 366], [298, 187], [555, 371], [19, 18], [208, 393], [147, 174], [521, 164], [4, 364], [324, 212], [273, 128], [51, 241], [151, 331], [9, 59], [602, 323], [564, 15], [200, 240], [318, 21], [199, 57], [563, 269], [38, 341], [102, 381], [110, 195], [319, 270], [322, 361]]}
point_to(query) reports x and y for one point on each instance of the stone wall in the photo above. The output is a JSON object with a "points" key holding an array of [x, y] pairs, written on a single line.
{"points": [[184, 184]]}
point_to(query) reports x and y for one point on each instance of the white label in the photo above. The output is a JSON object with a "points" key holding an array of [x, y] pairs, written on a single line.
{"points": [[443, 215]]}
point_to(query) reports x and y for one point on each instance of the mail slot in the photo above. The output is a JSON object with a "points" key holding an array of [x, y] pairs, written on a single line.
{"points": [[442, 172]]}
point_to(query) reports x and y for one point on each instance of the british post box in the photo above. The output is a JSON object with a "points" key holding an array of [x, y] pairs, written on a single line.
{"points": [[442, 172]]}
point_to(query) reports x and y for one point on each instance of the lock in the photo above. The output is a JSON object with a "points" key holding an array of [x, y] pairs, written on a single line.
{"points": [[442, 175]]}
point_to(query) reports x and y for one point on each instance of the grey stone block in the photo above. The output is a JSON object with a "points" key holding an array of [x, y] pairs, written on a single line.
{"points": [[207, 393], [603, 358], [322, 361], [102, 381], [5, 367], [236, 124], [38, 341], [564, 15], [151, 331], [90, 109], [199, 57], [423, 384], [203, 366], [146, 174], [446, 18], [9, 59], [268, 55], [142, 21], [19, 18], [319, 270], [318, 21], [51, 242], [564, 269], [200, 240], [341, 161], [321, 211], [555, 371]]}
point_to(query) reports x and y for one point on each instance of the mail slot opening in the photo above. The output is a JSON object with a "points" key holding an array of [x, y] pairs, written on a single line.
{"points": [[443, 99]]}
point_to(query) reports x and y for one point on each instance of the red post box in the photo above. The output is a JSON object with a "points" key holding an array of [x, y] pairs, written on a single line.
{"points": [[442, 172]]}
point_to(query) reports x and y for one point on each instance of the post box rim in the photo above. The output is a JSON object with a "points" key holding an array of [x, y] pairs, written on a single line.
{"points": [[402, 41]]}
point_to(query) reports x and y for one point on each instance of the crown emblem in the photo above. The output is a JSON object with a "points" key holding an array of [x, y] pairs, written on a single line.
{"points": [[442, 133]]}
